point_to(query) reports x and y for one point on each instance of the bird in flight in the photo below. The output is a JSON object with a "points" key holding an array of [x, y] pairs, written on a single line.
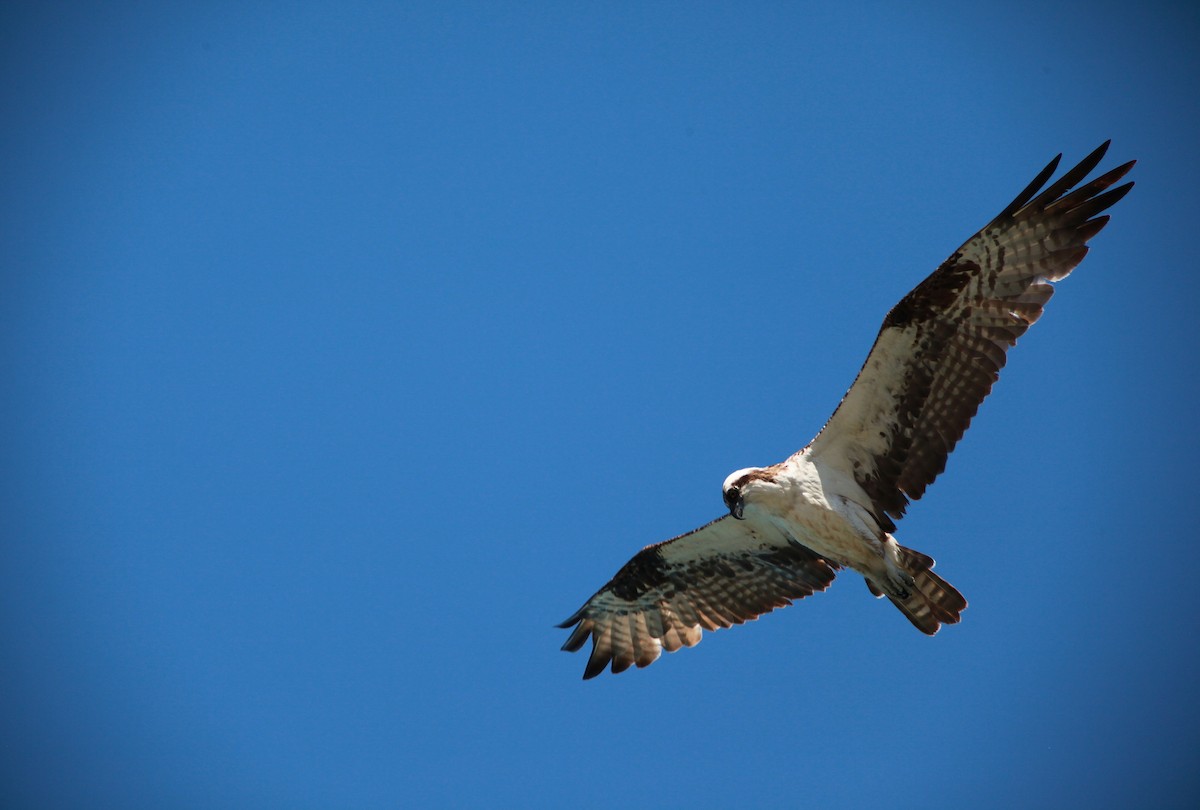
{"points": [[792, 526]]}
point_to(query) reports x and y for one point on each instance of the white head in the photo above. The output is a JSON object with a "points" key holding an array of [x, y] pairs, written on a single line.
{"points": [[742, 487]]}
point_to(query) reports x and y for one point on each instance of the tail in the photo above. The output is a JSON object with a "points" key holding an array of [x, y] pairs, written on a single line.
{"points": [[932, 602]]}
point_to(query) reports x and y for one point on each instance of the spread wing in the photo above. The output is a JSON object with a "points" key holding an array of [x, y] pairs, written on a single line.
{"points": [[719, 575], [942, 347]]}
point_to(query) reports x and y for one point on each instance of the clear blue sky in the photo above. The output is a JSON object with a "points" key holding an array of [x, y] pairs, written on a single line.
{"points": [[348, 347]]}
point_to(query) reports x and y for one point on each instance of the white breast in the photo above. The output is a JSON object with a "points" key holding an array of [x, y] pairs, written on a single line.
{"points": [[817, 506]]}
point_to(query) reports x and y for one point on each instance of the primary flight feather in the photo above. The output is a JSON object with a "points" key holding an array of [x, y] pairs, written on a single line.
{"points": [[833, 504]]}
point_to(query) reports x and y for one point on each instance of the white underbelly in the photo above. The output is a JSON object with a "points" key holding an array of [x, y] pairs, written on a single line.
{"points": [[832, 536], [820, 509]]}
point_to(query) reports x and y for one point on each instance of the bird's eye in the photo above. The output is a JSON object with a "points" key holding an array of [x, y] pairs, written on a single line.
{"points": [[731, 495]]}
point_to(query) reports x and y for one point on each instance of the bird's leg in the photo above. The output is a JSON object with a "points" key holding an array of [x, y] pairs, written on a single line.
{"points": [[899, 579]]}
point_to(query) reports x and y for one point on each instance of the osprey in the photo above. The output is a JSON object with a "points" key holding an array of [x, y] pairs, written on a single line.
{"points": [[833, 504]]}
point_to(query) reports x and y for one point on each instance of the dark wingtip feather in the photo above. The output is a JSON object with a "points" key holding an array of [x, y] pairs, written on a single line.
{"points": [[1098, 153], [1122, 170], [1072, 177], [1064, 184], [1081, 202], [1085, 166], [1103, 201], [595, 666], [578, 636], [1031, 189], [575, 618], [1092, 227]]}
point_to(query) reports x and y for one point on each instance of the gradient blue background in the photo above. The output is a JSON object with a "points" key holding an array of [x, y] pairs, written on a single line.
{"points": [[348, 347]]}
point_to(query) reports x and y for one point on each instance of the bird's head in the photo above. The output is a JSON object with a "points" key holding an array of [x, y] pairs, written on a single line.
{"points": [[743, 486]]}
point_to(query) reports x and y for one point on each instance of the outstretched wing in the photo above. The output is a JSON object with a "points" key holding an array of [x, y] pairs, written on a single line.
{"points": [[942, 347], [719, 575]]}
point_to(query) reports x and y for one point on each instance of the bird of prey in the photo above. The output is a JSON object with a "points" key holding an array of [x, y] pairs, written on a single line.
{"points": [[791, 526]]}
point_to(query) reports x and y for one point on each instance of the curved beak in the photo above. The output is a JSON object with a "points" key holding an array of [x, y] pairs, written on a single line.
{"points": [[736, 509]]}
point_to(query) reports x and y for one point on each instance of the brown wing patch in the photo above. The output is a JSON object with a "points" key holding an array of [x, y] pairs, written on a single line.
{"points": [[936, 292]]}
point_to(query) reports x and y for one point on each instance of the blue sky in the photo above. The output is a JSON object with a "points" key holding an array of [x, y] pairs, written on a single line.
{"points": [[347, 348]]}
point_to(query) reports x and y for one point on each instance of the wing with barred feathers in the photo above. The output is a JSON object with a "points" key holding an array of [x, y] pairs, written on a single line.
{"points": [[722, 574], [941, 348]]}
